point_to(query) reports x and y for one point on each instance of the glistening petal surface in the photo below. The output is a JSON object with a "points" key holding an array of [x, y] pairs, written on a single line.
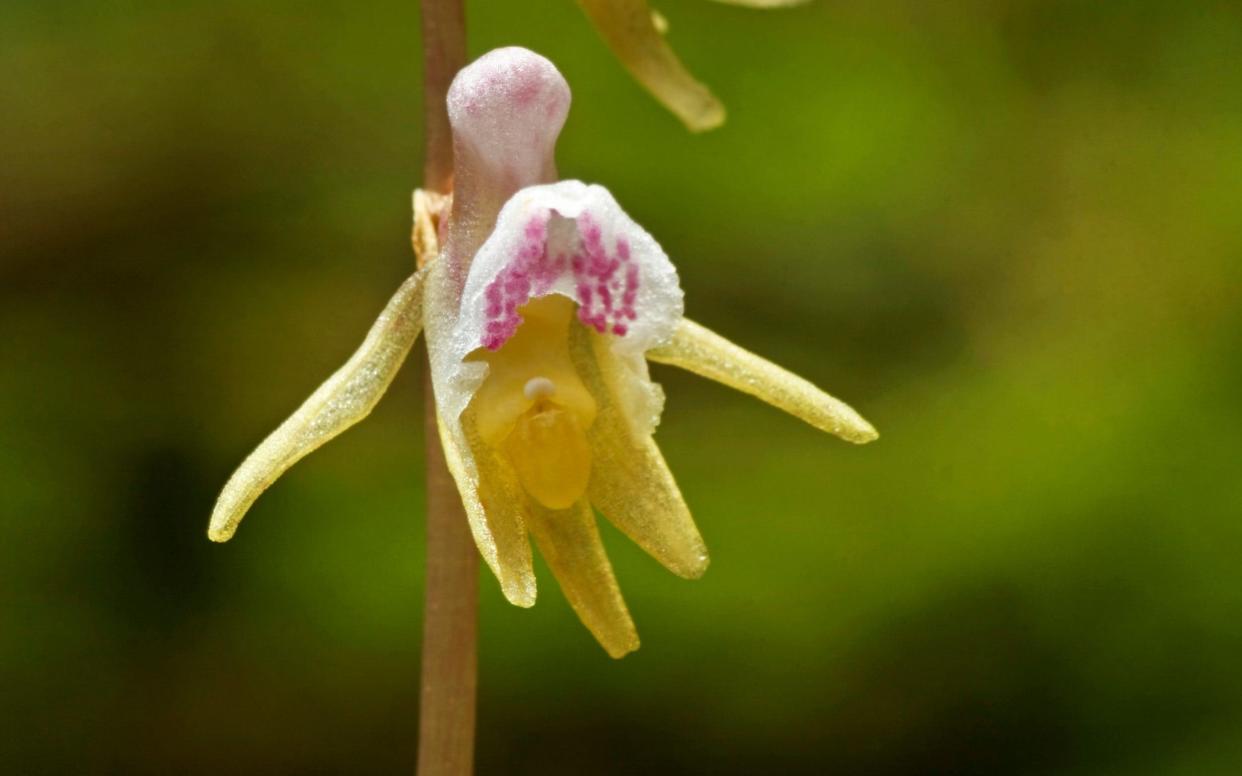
{"points": [[501, 498], [569, 541], [706, 353], [344, 399], [630, 482]]}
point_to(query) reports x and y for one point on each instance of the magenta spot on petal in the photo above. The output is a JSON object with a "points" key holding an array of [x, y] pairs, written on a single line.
{"points": [[512, 287], [606, 296], [590, 230]]}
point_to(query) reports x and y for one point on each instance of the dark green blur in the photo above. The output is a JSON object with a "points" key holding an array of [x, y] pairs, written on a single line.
{"points": [[1009, 233]]}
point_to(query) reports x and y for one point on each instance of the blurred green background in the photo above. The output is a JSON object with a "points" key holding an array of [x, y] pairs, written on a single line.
{"points": [[1010, 233]]}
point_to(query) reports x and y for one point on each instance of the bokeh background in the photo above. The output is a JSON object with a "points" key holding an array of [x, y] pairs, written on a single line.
{"points": [[1010, 233]]}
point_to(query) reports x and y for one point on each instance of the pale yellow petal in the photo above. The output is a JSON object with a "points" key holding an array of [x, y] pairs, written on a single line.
{"points": [[569, 541], [501, 502], [706, 353], [507, 552], [630, 482], [635, 490], [629, 29], [344, 399]]}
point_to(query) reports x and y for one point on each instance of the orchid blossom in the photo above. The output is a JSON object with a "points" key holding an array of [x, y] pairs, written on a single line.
{"points": [[542, 308], [635, 33]]}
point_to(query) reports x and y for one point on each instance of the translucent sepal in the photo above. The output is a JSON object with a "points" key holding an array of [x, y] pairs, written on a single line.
{"points": [[630, 482], [631, 31], [344, 399], [499, 507], [706, 353], [569, 541]]}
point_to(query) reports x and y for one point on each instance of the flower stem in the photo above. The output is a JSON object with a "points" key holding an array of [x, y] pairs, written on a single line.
{"points": [[450, 619], [444, 53]]}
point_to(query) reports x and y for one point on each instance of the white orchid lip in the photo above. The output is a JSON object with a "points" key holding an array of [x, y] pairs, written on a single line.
{"points": [[572, 239], [606, 278], [567, 238]]}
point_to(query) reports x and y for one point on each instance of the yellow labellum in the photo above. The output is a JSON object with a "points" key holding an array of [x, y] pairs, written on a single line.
{"points": [[536, 357], [549, 451], [534, 406]]}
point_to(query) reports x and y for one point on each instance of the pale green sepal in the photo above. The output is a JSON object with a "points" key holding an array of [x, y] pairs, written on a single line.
{"points": [[346, 398], [706, 353]]}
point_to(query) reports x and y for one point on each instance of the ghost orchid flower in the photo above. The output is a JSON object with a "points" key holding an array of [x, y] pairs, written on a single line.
{"points": [[635, 33], [542, 309]]}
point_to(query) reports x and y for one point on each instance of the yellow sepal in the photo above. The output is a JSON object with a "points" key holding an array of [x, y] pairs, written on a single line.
{"points": [[494, 508], [630, 30], [706, 353], [630, 482], [569, 541], [344, 399]]}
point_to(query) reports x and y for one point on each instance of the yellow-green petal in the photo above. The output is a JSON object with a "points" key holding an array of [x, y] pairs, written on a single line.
{"points": [[630, 482], [569, 541], [630, 30], [706, 353], [344, 399], [633, 487]]}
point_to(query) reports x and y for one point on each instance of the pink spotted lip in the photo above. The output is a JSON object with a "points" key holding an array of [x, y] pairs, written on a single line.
{"points": [[605, 282]]}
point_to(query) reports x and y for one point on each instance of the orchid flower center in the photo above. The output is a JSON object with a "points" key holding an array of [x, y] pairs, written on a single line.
{"points": [[534, 407]]}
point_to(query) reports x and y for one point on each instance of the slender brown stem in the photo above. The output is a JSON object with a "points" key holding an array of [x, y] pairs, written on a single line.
{"points": [[444, 53], [450, 619], [450, 622]]}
